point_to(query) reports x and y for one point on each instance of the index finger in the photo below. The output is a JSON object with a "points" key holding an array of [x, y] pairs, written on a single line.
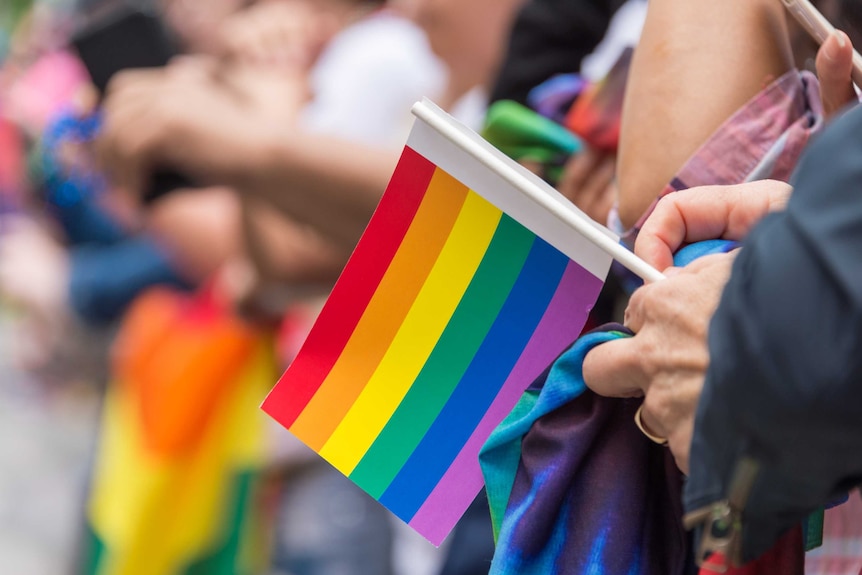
{"points": [[613, 369], [706, 213]]}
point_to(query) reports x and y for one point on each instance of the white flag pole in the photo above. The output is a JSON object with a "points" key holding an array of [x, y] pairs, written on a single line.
{"points": [[561, 209]]}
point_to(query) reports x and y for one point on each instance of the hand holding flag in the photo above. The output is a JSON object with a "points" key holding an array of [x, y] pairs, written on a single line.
{"points": [[473, 275]]}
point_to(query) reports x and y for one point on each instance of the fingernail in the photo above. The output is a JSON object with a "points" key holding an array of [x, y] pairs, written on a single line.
{"points": [[841, 37], [832, 50]]}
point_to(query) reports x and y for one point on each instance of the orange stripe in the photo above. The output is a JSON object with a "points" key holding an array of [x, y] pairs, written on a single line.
{"points": [[178, 357], [184, 383], [384, 314], [148, 321]]}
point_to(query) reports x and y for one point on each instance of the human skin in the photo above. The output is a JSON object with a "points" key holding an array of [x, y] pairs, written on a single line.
{"points": [[666, 361], [698, 61], [164, 118], [686, 81]]}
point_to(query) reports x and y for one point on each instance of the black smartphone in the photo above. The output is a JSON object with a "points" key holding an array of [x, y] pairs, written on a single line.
{"points": [[118, 35]]}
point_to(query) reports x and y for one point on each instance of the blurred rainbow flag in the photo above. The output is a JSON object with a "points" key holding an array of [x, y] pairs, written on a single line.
{"points": [[461, 292], [176, 481], [596, 115]]}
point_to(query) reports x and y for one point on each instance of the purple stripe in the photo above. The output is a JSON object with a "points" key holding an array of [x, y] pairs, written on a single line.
{"points": [[560, 325]]}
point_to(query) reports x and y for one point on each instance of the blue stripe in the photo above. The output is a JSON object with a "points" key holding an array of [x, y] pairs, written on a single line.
{"points": [[495, 359]]}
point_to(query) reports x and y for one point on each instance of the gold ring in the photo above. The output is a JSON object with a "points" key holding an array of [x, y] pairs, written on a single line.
{"points": [[650, 436]]}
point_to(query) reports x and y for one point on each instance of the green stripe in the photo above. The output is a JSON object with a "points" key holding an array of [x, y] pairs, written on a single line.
{"points": [[231, 555], [814, 530], [93, 551], [500, 471], [451, 357]]}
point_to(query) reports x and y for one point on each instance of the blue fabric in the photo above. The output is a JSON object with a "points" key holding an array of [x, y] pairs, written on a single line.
{"points": [[73, 192], [573, 485], [104, 279], [587, 492], [691, 252], [108, 266]]}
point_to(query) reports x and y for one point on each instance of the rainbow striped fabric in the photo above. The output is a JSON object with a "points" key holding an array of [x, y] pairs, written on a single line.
{"points": [[450, 306], [177, 479]]}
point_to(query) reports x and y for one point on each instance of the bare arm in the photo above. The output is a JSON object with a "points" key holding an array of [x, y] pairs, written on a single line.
{"points": [[329, 184], [283, 251], [697, 63], [204, 127]]}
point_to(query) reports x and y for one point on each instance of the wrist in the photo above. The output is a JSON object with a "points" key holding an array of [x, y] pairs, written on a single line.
{"points": [[262, 160], [231, 155]]}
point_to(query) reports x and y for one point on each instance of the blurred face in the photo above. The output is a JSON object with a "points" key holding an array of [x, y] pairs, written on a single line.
{"points": [[466, 34]]}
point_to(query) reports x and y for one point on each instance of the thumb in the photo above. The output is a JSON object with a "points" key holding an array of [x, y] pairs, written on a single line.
{"points": [[834, 66]]}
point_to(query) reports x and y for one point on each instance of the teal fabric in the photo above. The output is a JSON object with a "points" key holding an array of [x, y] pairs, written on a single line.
{"points": [[572, 484]]}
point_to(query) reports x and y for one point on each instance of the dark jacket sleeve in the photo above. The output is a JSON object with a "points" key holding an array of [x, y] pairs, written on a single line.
{"points": [[551, 37], [784, 386]]}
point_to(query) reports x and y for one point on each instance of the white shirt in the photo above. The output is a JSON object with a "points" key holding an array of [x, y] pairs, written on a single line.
{"points": [[368, 78]]}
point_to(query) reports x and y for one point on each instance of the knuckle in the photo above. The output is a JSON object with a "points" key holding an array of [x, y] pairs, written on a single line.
{"points": [[648, 362], [666, 209], [638, 299], [656, 405], [666, 202]]}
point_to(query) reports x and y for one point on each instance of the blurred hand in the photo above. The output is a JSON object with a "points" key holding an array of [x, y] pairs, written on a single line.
{"points": [[706, 213], [588, 181], [834, 66], [34, 268], [200, 231], [34, 277], [286, 34], [666, 361], [205, 121]]}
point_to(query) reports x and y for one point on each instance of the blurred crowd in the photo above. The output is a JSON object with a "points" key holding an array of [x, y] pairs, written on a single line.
{"points": [[233, 179], [169, 233]]}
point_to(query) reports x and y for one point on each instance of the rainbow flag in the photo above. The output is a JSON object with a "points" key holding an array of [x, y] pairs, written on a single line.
{"points": [[177, 480], [462, 291]]}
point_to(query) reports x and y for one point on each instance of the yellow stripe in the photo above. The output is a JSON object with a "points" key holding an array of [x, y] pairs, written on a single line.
{"points": [[381, 319], [417, 336], [156, 515]]}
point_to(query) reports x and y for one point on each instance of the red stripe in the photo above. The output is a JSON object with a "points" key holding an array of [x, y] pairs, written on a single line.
{"points": [[354, 289]]}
